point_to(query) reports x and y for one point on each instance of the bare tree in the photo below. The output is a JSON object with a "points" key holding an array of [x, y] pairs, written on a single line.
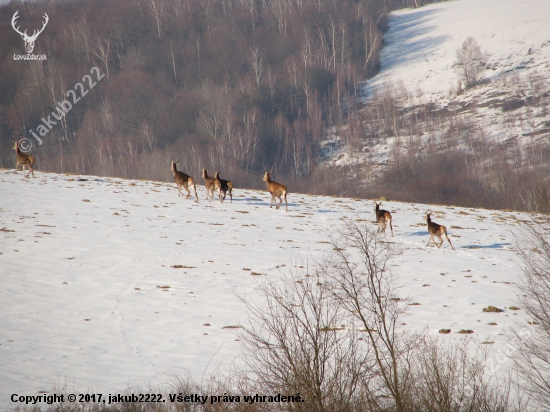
{"points": [[121, 41], [247, 139], [298, 342], [533, 357], [451, 377], [364, 287], [82, 38], [257, 64], [174, 64], [102, 52], [470, 61], [216, 109], [250, 7], [336, 336], [158, 9], [147, 135]]}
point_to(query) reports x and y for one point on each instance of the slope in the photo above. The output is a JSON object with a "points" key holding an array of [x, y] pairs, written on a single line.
{"points": [[507, 113], [110, 283]]}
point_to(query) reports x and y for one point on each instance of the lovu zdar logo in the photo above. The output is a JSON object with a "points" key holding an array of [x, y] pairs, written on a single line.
{"points": [[29, 40]]}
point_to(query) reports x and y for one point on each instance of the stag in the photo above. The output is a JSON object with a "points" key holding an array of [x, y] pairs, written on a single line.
{"points": [[29, 40]]}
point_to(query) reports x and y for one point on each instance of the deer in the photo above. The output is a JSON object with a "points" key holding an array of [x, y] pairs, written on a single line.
{"points": [[183, 180], [23, 159], [223, 186], [277, 190], [29, 40], [209, 184], [436, 229], [382, 217]]}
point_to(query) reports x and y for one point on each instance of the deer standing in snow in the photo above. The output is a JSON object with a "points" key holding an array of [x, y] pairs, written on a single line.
{"points": [[209, 184], [183, 180], [223, 186], [23, 159], [382, 217], [437, 230], [277, 190]]}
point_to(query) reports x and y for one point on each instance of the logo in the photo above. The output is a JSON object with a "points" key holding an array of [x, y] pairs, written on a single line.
{"points": [[29, 40]]}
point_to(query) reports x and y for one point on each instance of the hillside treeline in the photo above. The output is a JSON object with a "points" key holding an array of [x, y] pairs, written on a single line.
{"points": [[232, 85], [236, 85], [459, 163], [240, 86]]}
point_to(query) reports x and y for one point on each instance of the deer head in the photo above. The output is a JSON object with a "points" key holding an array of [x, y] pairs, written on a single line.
{"points": [[29, 40]]}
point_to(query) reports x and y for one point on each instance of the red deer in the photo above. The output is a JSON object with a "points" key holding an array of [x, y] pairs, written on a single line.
{"points": [[383, 217], [436, 229], [209, 184], [23, 159], [277, 190], [223, 186], [183, 180]]}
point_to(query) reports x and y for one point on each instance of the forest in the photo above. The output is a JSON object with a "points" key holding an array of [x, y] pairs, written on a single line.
{"points": [[235, 85]]}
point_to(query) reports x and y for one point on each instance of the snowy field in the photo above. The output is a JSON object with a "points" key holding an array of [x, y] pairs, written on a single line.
{"points": [[90, 295]]}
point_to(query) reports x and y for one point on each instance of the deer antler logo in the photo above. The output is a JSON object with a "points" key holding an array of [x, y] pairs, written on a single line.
{"points": [[29, 40]]}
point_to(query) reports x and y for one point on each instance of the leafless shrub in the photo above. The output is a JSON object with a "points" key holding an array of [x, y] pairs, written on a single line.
{"points": [[305, 338], [448, 377], [533, 357], [299, 342]]}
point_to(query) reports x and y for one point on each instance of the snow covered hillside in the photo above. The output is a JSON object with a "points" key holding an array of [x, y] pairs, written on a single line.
{"points": [[109, 283], [510, 107], [421, 44]]}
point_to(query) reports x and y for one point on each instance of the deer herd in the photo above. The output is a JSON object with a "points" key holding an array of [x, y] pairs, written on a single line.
{"points": [[277, 191]]}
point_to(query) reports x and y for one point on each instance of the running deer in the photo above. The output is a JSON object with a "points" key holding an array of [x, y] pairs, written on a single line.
{"points": [[436, 229], [23, 159], [209, 184], [382, 217], [277, 190], [223, 186], [183, 180]]}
